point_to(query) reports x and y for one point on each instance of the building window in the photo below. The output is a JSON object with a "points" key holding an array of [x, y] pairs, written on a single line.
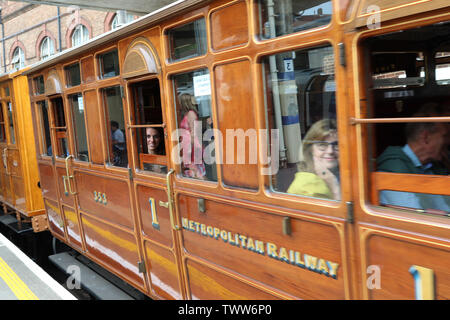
{"points": [[122, 17], [47, 48], [18, 59], [80, 35]]}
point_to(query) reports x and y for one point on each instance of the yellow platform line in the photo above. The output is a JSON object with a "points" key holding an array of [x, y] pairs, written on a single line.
{"points": [[18, 287]]}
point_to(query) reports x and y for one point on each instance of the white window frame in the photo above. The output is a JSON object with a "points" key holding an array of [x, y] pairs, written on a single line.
{"points": [[80, 35], [18, 58], [47, 48]]}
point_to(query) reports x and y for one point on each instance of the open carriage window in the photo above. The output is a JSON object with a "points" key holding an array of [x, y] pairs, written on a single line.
{"points": [[150, 136], [79, 127], [192, 92], [59, 122], [44, 124], [409, 133], [115, 124], [301, 105]]}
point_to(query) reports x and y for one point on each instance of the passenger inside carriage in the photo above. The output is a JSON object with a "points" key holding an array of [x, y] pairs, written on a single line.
{"points": [[155, 146], [426, 152], [318, 169]]}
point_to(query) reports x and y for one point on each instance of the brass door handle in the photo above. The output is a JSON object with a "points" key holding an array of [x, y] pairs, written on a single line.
{"points": [[68, 176], [164, 204], [170, 201]]}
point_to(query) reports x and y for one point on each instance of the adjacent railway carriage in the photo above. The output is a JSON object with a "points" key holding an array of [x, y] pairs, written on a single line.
{"points": [[173, 150], [20, 194]]}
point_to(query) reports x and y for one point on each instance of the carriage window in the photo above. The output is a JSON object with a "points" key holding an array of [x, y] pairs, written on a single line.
{"points": [[6, 91], [400, 149], [45, 127], [12, 135], [279, 17], [442, 68], [60, 127], [115, 124], [301, 105], [2, 126], [192, 92], [73, 77], [150, 136], [79, 127], [188, 41], [109, 64], [39, 86]]}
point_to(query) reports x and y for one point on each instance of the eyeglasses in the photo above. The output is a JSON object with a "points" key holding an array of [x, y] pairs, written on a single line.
{"points": [[323, 145]]}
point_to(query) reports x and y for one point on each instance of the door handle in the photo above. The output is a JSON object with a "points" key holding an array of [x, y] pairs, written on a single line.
{"points": [[68, 176], [170, 201]]}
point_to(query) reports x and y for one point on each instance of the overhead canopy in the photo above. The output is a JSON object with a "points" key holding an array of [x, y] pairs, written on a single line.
{"points": [[137, 6]]}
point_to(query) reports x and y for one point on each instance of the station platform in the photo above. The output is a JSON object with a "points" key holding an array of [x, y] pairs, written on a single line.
{"points": [[23, 279]]}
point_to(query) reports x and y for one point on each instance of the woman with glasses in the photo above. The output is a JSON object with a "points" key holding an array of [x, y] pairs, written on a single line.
{"points": [[318, 169]]}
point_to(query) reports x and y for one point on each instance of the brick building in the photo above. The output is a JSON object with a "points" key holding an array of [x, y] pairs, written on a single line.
{"points": [[31, 32]]}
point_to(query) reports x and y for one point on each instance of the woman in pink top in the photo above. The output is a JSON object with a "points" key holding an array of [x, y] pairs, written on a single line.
{"points": [[192, 165]]}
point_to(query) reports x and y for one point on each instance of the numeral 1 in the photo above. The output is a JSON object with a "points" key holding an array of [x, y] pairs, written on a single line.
{"points": [[423, 282]]}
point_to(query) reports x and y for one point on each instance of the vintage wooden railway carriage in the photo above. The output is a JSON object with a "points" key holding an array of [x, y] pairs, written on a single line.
{"points": [[20, 194], [228, 91]]}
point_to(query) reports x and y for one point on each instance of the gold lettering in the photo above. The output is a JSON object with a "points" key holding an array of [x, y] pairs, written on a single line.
{"points": [[203, 229], [272, 250], [251, 244], [298, 259], [310, 262], [191, 225], [216, 233], [322, 267], [333, 268], [243, 238], [210, 231], [224, 235], [185, 223], [230, 239], [259, 246], [283, 254]]}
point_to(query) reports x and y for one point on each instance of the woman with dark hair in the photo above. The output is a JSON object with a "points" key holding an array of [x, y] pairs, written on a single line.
{"points": [[155, 141], [318, 169]]}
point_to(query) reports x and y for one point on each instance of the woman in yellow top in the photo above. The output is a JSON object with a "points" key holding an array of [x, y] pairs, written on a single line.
{"points": [[318, 169]]}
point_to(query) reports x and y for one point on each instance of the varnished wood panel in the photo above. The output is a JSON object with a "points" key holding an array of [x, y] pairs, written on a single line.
{"points": [[394, 254], [117, 208], [88, 69], [155, 226], [48, 182], [207, 283], [72, 225], [306, 264], [229, 26], [19, 193], [14, 166], [163, 272], [93, 127], [55, 219], [236, 113], [114, 248]]}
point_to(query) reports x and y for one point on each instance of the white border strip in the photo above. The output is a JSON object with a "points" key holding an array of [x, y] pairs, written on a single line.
{"points": [[37, 270]]}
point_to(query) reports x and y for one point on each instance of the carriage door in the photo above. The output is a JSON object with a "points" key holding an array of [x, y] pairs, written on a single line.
{"points": [[151, 171]]}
